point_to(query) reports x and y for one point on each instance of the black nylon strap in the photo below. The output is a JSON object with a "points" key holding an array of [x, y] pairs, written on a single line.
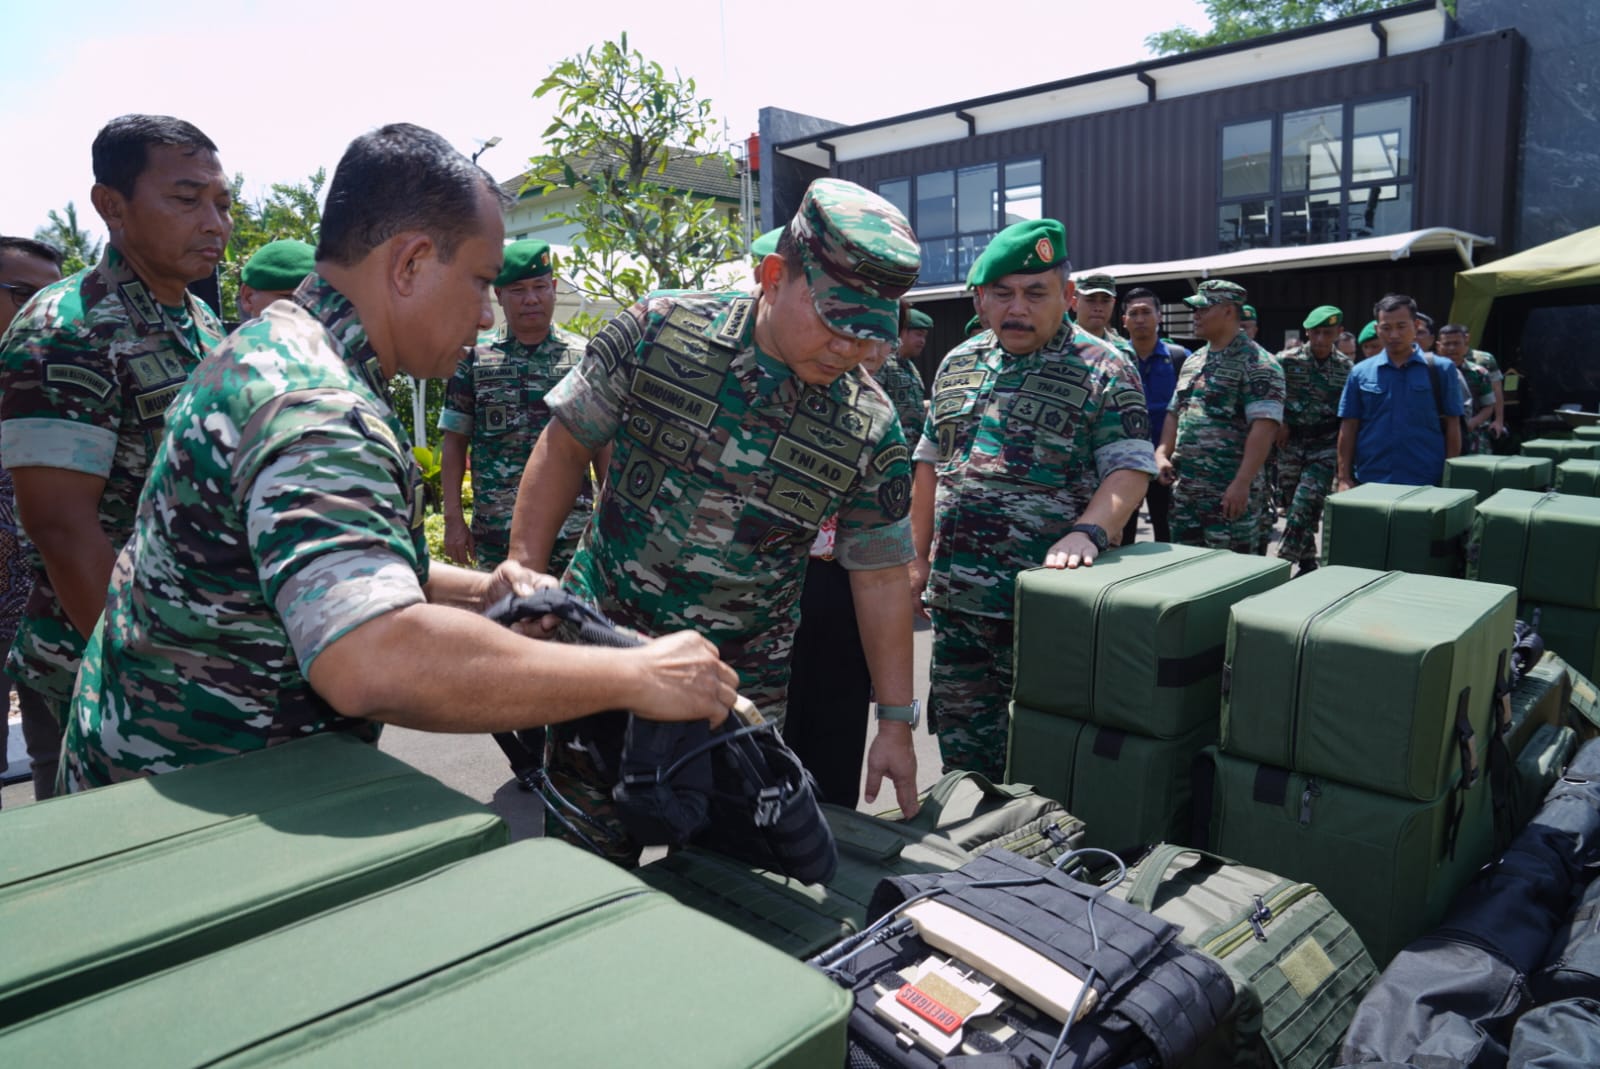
{"points": [[1108, 743], [1271, 786], [1182, 671], [1464, 737]]}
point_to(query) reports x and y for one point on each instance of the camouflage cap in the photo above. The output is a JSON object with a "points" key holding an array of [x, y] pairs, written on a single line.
{"points": [[918, 320], [525, 259], [1025, 248], [859, 256], [1097, 284], [766, 244], [1216, 291], [1368, 332], [973, 326], [1247, 313], [279, 266], [1324, 315]]}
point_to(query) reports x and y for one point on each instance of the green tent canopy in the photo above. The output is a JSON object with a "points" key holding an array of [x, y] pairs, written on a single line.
{"points": [[1570, 261]]}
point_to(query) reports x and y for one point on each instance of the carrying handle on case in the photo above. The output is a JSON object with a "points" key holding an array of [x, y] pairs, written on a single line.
{"points": [[941, 793], [1153, 869]]}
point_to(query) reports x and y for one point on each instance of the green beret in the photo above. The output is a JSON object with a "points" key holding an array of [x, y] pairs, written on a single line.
{"points": [[973, 326], [1216, 291], [1025, 248], [1325, 315], [1368, 332], [765, 245], [279, 266], [1097, 284], [859, 256], [526, 259], [1247, 312], [918, 320]]}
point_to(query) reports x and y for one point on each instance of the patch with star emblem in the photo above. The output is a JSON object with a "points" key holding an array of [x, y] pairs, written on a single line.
{"points": [[894, 497]]}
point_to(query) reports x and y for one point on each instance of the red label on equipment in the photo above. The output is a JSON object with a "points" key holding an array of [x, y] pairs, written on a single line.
{"points": [[929, 1009]]}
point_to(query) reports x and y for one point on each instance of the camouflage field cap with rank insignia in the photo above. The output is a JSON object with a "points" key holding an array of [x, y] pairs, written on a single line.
{"points": [[279, 266], [918, 320], [859, 256], [1026, 248], [1216, 291], [525, 259], [1324, 315], [1097, 284]]}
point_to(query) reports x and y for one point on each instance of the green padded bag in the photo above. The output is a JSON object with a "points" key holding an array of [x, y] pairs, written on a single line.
{"points": [[1419, 529], [535, 954], [1041, 749], [1539, 698], [1573, 634], [1540, 763], [1296, 964], [1580, 477], [1588, 432], [1382, 680], [1135, 642], [1131, 790], [104, 887], [979, 816], [1583, 711], [1545, 545], [1390, 865], [1483, 475], [1559, 449]]}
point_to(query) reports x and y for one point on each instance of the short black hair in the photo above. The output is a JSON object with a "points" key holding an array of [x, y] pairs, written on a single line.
{"points": [[400, 178], [1425, 319], [1393, 303], [1453, 328], [122, 147], [789, 250], [1141, 293], [30, 247]]}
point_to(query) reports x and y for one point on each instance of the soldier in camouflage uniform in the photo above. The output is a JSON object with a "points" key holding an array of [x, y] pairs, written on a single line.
{"points": [[900, 379], [1094, 305], [87, 372], [1478, 409], [1308, 440], [273, 273], [1224, 416], [1497, 379], [1036, 446], [277, 582], [495, 406], [736, 425]]}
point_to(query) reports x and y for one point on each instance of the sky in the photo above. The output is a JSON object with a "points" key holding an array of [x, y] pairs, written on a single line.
{"points": [[282, 87]]}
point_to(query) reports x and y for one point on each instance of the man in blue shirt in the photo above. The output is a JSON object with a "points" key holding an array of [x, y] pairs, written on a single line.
{"points": [[1399, 414], [1158, 368]]}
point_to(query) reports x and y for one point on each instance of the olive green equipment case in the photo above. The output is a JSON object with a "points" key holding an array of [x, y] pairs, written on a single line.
{"points": [[1580, 477], [962, 816], [537, 954], [1136, 642], [100, 888], [1559, 449], [1139, 789], [1298, 968], [1540, 764], [1484, 475], [1383, 680], [1587, 432], [1390, 865], [1545, 545], [1420, 529], [1572, 633], [1540, 698]]}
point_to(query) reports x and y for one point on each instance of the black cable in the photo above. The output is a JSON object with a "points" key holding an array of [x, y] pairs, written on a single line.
{"points": [[1094, 944]]}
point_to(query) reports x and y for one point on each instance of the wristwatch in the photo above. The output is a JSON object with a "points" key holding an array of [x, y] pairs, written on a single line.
{"points": [[1096, 533], [904, 714]]}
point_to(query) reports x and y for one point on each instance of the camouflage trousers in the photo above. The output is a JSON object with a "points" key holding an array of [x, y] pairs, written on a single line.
{"points": [[1268, 506], [492, 547], [1197, 519], [969, 691], [1306, 469]]}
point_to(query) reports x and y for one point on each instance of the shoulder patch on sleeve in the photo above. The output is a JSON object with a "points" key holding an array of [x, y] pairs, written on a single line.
{"points": [[617, 340], [81, 377], [894, 496], [375, 429]]}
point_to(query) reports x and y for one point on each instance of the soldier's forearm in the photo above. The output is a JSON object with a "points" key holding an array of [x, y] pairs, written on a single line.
{"points": [[550, 484], [452, 470], [883, 616], [1114, 501], [1256, 448], [924, 486]]}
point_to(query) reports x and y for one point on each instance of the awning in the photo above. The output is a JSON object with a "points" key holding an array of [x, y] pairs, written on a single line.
{"points": [[1570, 261]]}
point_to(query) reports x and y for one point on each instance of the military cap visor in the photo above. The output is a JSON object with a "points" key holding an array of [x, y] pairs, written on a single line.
{"points": [[279, 266], [918, 320], [859, 256], [1323, 316], [525, 259], [1216, 291], [1026, 248], [1097, 284]]}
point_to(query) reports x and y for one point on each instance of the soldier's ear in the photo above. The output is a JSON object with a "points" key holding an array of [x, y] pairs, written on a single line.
{"points": [[409, 255], [109, 205]]}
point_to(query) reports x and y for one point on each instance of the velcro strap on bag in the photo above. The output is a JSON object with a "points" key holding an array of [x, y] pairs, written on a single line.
{"points": [[1271, 786], [1182, 671], [1464, 739]]}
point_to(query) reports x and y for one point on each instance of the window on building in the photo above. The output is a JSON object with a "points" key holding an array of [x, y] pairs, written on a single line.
{"points": [[956, 212], [1321, 174]]}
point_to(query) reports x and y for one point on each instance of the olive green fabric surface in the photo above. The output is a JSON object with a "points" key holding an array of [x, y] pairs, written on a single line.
{"points": [[1545, 545], [1041, 749], [1540, 763], [1297, 965], [1541, 697], [1366, 676], [1588, 432], [1483, 475], [1579, 476], [1573, 634], [1559, 449], [100, 888], [1136, 641], [1420, 529], [977, 815], [535, 954], [1390, 865]]}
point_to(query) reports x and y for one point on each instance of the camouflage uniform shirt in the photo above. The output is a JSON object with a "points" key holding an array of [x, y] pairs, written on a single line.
{"points": [[723, 468], [1313, 387], [1019, 445], [284, 510], [902, 382], [497, 399], [86, 374], [1220, 393], [1488, 363]]}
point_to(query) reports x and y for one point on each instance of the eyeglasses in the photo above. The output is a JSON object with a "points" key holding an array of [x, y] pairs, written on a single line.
{"points": [[21, 294]]}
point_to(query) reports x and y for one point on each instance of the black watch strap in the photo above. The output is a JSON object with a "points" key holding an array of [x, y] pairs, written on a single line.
{"points": [[1096, 533]]}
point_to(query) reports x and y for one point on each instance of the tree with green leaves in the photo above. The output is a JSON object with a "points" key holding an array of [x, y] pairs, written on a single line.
{"points": [[1239, 20], [620, 122], [289, 210], [79, 249]]}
